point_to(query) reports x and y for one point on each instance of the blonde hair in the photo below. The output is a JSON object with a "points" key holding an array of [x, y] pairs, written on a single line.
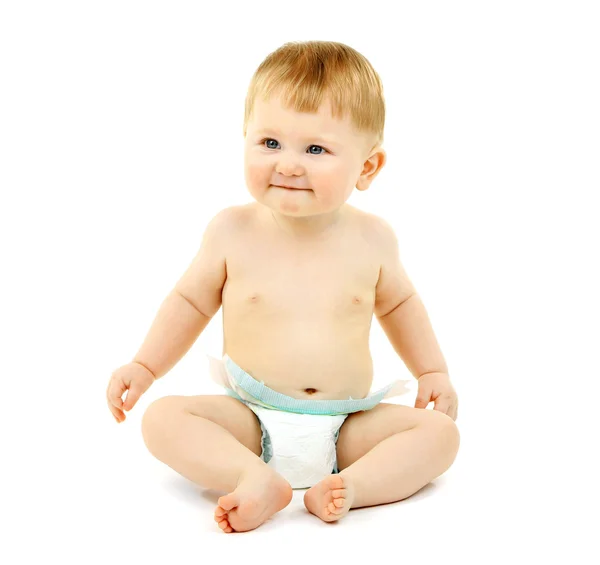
{"points": [[305, 73]]}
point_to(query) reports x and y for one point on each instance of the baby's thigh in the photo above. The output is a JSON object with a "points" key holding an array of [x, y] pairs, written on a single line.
{"points": [[229, 413], [362, 431]]}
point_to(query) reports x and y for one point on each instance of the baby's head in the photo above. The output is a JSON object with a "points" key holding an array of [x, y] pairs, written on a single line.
{"points": [[314, 120]]}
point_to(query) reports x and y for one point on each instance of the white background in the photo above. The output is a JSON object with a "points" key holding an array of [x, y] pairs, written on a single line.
{"points": [[121, 136]]}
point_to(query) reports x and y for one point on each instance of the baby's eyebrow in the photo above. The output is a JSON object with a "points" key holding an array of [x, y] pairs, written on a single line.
{"points": [[325, 140]]}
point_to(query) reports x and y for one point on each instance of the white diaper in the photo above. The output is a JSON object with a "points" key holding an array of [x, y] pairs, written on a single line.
{"points": [[300, 447]]}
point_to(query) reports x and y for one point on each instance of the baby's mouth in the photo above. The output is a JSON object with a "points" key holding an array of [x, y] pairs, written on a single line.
{"points": [[289, 188]]}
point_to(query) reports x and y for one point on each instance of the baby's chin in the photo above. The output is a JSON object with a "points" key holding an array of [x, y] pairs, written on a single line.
{"points": [[300, 204], [286, 202]]}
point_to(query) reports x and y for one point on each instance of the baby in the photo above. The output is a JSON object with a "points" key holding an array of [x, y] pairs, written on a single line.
{"points": [[300, 274]]}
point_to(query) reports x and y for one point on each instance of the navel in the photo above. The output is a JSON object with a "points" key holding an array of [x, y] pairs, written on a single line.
{"points": [[310, 390]]}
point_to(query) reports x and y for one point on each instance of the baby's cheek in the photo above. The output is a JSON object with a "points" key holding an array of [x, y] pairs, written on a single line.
{"points": [[256, 176], [332, 186]]}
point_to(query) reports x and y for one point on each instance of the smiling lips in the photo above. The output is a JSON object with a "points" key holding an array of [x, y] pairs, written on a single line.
{"points": [[290, 187]]}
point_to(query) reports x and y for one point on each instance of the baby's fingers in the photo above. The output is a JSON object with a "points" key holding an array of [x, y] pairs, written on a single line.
{"points": [[116, 388], [423, 398], [118, 414], [133, 395], [443, 403], [114, 394]]}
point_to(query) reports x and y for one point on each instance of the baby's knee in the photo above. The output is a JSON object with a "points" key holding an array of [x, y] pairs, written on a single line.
{"points": [[156, 419], [445, 431]]}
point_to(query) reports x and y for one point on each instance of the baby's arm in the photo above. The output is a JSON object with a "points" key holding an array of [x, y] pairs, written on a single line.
{"points": [[189, 307], [401, 312]]}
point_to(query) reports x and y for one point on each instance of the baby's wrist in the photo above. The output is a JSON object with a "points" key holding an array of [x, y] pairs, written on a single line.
{"points": [[146, 369]]}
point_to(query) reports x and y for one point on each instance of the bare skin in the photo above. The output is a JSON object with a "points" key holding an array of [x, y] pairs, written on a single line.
{"points": [[226, 438], [330, 499], [259, 495], [297, 314], [404, 448]]}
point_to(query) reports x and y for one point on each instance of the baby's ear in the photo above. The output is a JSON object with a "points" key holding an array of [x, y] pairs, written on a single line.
{"points": [[371, 168]]}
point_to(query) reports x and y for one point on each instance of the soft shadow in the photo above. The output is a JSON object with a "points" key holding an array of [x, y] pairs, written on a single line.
{"points": [[427, 491], [183, 489], [210, 495]]}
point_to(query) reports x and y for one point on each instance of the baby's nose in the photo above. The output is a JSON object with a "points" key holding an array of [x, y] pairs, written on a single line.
{"points": [[289, 165]]}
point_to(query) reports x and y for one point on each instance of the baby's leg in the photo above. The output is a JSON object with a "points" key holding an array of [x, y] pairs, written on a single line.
{"points": [[384, 455], [215, 441]]}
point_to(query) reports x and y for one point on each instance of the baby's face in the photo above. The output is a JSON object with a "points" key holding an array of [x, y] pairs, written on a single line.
{"points": [[320, 157]]}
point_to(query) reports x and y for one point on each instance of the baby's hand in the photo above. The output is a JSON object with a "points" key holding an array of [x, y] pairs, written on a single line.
{"points": [[134, 378], [437, 388]]}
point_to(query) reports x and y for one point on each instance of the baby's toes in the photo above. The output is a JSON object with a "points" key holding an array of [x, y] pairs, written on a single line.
{"points": [[225, 526], [339, 493], [336, 508], [221, 518]]}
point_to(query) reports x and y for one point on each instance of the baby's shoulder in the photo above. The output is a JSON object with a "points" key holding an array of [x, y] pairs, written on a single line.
{"points": [[373, 229], [232, 228], [231, 219]]}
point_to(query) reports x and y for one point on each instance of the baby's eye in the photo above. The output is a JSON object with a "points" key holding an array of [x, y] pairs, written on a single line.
{"points": [[270, 146], [317, 146]]}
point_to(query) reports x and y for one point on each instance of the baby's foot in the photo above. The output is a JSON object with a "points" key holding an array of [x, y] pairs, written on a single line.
{"points": [[330, 499], [258, 496]]}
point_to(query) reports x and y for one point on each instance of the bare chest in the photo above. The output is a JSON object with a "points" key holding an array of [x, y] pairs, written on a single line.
{"points": [[271, 278]]}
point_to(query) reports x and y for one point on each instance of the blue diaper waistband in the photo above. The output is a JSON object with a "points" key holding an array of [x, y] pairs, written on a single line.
{"points": [[278, 401]]}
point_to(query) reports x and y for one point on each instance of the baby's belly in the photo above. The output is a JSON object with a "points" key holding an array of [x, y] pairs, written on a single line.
{"points": [[318, 361]]}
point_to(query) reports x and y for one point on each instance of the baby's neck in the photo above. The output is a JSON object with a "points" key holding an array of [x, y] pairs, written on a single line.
{"points": [[308, 227]]}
